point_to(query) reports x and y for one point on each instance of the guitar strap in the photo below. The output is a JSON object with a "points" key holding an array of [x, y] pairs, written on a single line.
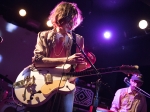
{"points": [[73, 49]]}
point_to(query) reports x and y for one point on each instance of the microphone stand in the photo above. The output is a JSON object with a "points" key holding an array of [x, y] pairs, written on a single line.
{"points": [[98, 82], [96, 98], [81, 50]]}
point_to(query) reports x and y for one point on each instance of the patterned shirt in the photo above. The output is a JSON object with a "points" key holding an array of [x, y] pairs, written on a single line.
{"points": [[126, 101]]}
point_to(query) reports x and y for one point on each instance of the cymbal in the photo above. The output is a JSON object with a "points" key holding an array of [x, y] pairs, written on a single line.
{"points": [[5, 79]]}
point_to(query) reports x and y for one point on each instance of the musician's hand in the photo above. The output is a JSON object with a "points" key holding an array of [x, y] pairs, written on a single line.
{"points": [[76, 58]]}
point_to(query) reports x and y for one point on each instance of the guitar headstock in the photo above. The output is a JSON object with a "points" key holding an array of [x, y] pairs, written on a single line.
{"points": [[130, 69]]}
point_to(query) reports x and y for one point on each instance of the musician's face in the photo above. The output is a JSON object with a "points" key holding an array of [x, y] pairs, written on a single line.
{"points": [[135, 83], [69, 25]]}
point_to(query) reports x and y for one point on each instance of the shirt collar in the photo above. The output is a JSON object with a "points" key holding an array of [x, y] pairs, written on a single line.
{"points": [[130, 91]]}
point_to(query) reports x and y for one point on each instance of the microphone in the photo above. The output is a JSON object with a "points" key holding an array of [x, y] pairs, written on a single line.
{"points": [[1, 39], [126, 80]]}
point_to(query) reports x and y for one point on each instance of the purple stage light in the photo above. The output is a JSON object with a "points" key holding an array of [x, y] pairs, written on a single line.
{"points": [[107, 35]]}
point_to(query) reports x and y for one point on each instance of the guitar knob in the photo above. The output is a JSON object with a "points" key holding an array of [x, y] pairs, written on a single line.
{"points": [[37, 98], [28, 101]]}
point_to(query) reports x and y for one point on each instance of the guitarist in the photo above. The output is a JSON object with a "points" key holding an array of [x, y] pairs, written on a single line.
{"points": [[53, 48]]}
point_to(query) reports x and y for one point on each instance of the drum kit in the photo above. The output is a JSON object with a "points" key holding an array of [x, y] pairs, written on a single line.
{"points": [[8, 102]]}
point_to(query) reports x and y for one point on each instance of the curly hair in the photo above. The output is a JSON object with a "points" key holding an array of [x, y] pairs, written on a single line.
{"points": [[64, 12]]}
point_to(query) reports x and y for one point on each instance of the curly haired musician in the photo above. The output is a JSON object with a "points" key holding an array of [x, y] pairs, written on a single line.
{"points": [[129, 99], [53, 47]]}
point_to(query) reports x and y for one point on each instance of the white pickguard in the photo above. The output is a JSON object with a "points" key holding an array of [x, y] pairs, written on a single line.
{"points": [[46, 90]]}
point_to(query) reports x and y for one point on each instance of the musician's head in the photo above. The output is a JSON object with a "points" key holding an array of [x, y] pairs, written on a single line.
{"points": [[66, 15], [136, 80]]}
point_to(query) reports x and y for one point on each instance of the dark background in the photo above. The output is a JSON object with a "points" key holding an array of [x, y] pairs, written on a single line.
{"points": [[129, 45]]}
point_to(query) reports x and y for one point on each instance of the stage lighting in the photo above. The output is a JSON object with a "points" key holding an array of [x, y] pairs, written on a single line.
{"points": [[11, 27], [49, 23], [107, 35], [143, 24], [22, 12]]}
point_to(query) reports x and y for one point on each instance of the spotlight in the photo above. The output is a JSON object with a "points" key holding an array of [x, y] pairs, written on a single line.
{"points": [[143, 24], [49, 23], [22, 12], [107, 35]]}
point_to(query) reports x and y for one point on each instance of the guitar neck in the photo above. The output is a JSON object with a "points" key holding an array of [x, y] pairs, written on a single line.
{"points": [[92, 72]]}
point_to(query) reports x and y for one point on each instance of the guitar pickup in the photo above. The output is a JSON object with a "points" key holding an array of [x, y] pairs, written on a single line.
{"points": [[48, 78]]}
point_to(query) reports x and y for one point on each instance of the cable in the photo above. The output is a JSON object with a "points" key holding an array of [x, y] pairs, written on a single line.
{"points": [[59, 86]]}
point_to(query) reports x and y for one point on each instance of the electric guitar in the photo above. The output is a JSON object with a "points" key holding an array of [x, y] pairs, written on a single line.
{"points": [[35, 87]]}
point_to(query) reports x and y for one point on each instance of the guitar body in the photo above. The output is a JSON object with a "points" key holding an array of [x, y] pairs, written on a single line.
{"points": [[34, 91]]}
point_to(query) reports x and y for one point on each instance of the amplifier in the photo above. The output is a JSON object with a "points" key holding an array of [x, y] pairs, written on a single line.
{"points": [[83, 98]]}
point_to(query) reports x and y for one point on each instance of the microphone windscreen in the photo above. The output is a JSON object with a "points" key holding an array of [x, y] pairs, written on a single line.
{"points": [[126, 80]]}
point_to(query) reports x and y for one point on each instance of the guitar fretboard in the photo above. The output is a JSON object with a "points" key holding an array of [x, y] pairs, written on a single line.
{"points": [[93, 72]]}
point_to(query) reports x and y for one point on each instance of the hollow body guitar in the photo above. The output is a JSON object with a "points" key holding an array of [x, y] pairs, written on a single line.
{"points": [[35, 87]]}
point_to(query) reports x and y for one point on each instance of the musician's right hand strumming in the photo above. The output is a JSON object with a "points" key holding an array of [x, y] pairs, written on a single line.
{"points": [[76, 58]]}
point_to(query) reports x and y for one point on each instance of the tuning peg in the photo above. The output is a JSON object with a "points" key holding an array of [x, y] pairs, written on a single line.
{"points": [[136, 66]]}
